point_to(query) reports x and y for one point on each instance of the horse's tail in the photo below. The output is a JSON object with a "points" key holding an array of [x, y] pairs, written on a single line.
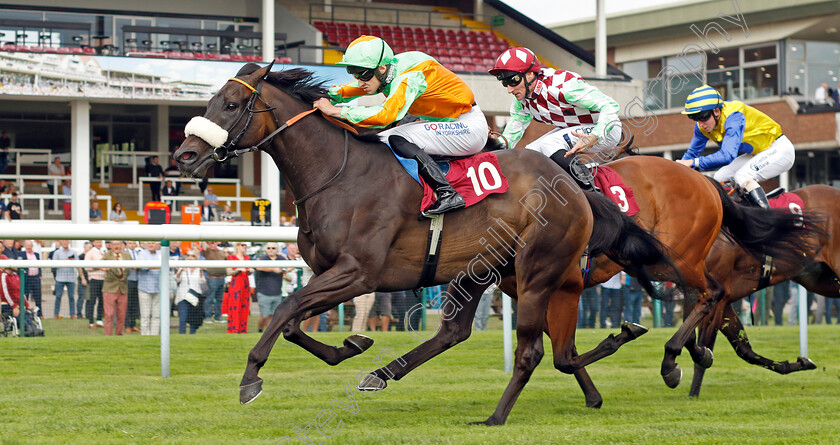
{"points": [[625, 242], [783, 235]]}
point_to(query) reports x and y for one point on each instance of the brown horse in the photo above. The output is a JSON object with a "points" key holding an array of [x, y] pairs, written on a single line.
{"points": [[359, 228], [739, 272]]}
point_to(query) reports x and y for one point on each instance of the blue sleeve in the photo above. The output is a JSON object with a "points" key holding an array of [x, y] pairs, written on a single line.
{"points": [[729, 147], [698, 144]]}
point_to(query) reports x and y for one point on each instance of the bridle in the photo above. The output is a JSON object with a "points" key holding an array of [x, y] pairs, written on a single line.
{"points": [[228, 149]]}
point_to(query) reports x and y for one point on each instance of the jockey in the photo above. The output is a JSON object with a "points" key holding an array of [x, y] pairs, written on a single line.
{"points": [[737, 128], [586, 119], [414, 83]]}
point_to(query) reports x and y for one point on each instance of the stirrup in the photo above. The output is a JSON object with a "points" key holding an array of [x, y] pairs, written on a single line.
{"points": [[448, 202]]}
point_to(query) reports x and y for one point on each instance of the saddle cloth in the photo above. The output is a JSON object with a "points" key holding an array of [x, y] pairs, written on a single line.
{"points": [[614, 188], [475, 177], [789, 201]]}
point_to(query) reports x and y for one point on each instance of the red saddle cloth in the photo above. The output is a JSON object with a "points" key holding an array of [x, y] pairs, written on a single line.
{"points": [[475, 178], [614, 187], [790, 201]]}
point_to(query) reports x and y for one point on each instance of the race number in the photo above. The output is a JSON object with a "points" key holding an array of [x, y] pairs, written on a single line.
{"points": [[616, 190], [481, 180], [796, 210]]}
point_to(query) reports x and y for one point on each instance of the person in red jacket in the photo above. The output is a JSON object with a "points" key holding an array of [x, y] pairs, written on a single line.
{"points": [[9, 290]]}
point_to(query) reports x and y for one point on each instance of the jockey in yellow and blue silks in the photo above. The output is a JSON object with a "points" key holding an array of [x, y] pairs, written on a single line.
{"points": [[752, 145], [413, 83]]}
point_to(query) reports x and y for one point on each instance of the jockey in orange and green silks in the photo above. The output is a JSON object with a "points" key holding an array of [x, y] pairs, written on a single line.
{"points": [[413, 83], [752, 146]]}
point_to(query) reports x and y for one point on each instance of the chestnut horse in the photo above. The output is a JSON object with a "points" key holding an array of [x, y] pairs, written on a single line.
{"points": [[359, 229], [738, 273]]}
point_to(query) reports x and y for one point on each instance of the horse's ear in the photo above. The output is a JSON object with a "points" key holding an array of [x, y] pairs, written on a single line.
{"points": [[270, 65]]}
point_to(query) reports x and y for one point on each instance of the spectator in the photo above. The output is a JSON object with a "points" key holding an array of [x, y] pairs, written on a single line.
{"points": [[154, 170], [835, 96], [239, 292], [117, 214], [227, 215], [269, 282], [633, 299], [82, 283], [65, 278], [5, 143], [170, 190], [95, 214], [207, 213], [589, 304], [96, 278], [363, 304], [211, 197], [55, 169], [67, 191], [215, 284], [668, 296], [781, 295], [10, 290], [9, 249], [188, 296], [611, 301], [115, 289], [2, 185], [148, 289], [381, 311], [33, 276], [821, 94], [132, 312], [482, 313], [174, 251], [173, 172], [14, 208]]}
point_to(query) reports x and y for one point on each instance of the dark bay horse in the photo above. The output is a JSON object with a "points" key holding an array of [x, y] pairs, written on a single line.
{"points": [[739, 272], [359, 229]]}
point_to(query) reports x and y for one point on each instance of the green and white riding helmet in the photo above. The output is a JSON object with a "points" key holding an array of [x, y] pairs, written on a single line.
{"points": [[364, 55]]}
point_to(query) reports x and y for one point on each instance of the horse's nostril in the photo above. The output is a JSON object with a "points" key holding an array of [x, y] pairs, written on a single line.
{"points": [[188, 156]]}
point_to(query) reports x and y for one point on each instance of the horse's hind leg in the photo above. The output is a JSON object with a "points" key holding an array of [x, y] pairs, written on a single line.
{"points": [[332, 355], [734, 331], [455, 327], [336, 285]]}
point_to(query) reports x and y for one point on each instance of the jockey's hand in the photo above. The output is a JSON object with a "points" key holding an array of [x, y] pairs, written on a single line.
{"points": [[327, 107], [686, 162], [584, 143]]}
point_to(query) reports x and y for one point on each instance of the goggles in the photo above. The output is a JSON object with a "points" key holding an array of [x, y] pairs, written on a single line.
{"points": [[510, 81], [363, 74], [702, 116]]}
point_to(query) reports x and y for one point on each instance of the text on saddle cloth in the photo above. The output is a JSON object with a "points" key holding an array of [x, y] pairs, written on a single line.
{"points": [[474, 177], [614, 188]]}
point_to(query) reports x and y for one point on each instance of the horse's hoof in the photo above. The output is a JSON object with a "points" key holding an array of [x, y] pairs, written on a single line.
{"points": [[489, 422], [635, 330], [249, 392], [806, 363], [358, 342], [672, 379], [707, 360], [372, 383], [596, 404]]}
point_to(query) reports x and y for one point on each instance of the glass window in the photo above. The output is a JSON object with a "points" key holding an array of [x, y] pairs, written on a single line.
{"points": [[727, 83], [685, 64], [654, 67], [761, 81], [760, 53], [677, 97], [795, 78], [725, 58], [822, 52], [636, 70], [795, 50], [654, 95]]}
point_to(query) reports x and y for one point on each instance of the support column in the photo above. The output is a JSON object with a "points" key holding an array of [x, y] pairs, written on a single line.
{"points": [[246, 169], [270, 186], [784, 180], [160, 134], [268, 31], [80, 156], [668, 154], [601, 38]]}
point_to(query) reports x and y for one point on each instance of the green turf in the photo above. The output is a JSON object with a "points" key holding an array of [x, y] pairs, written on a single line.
{"points": [[91, 389]]}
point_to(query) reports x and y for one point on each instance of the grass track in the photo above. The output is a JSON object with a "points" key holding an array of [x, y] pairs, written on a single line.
{"points": [[89, 389]]}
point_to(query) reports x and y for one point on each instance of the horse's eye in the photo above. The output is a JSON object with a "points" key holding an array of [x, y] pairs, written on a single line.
{"points": [[231, 106]]}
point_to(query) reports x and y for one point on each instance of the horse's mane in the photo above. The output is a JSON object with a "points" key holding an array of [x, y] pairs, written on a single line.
{"points": [[296, 82]]}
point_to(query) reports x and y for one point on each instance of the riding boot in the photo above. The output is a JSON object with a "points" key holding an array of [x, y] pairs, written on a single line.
{"points": [[447, 198], [758, 198], [581, 174]]}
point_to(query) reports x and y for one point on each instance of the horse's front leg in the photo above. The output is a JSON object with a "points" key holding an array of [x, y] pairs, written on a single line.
{"points": [[340, 283], [331, 355]]}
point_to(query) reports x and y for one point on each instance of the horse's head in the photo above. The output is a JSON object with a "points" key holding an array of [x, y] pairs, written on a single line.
{"points": [[236, 117]]}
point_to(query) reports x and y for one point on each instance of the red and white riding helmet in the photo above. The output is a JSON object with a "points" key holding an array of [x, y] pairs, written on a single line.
{"points": [[516, 59]]}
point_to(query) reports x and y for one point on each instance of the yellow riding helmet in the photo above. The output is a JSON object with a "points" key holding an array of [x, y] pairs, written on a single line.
{"points": [[701, 99]]}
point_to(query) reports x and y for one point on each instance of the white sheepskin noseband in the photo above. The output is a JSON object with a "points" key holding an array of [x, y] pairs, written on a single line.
{"points": [[207, 130]]}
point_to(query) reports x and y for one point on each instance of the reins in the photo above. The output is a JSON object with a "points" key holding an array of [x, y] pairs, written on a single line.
{"points": [[255, 93]]}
